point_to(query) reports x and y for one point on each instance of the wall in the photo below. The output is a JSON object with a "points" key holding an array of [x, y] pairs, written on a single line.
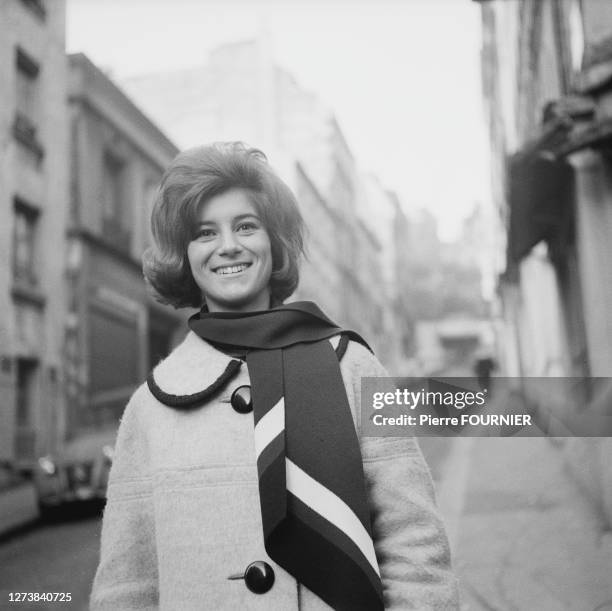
{"points": [[31, 319], [110, 320]]}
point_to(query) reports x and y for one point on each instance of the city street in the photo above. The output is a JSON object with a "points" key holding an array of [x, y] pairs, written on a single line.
{"points": [[523, 535], [183, 184], [58, 557]]}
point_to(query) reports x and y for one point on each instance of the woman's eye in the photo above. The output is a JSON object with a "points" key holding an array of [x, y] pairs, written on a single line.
{"points": [[205, 233], [247, 227]]}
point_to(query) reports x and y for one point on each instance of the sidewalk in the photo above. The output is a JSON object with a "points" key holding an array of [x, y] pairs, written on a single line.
{"points": [[523, 535]]}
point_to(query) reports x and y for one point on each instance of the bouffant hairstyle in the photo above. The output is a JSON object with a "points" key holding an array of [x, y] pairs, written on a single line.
{"points": [[195, 176]]}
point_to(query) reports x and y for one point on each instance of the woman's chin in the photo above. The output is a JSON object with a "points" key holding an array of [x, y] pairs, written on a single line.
{"points": [[238, 303]]}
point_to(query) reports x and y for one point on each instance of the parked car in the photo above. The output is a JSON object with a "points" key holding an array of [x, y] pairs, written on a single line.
{"points": [[77, 473]]}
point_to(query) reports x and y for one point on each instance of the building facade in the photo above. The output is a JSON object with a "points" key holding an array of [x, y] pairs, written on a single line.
{"points": [[532, 58], [547, 80], [34, 201], [381, 212], [115, 331], [79, 168]]}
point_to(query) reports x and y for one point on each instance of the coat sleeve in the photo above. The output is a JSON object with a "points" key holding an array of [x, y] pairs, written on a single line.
{"points": [[409, 537], [126, 577]]}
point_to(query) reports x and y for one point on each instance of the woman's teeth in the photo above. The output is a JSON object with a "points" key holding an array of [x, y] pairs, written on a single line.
{"points": [[234, 269]]}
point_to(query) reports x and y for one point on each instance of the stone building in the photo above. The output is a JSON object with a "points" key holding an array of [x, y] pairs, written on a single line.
{"points": [[381, 211], [115, 332], [33, 211], [547, 80], [242, 94]]}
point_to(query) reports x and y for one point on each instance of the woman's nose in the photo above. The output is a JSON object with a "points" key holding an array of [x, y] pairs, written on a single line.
{"points": [[229, 244]]}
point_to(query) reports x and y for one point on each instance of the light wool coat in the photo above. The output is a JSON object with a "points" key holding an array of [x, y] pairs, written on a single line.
{"points": [[183, 503]]}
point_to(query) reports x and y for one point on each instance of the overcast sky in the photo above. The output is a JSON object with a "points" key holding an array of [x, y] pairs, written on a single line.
{"points": [[402, 76]]}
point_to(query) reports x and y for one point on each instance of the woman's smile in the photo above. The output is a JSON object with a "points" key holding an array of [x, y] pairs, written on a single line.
{"points": [[232, 270], [231, 255]]}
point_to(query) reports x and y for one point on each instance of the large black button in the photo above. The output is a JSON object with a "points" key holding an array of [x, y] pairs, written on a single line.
{"points": [[241, 400], [259, 577]]}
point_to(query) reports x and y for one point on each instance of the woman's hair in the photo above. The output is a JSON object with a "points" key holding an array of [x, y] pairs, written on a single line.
{"points": [[195, 176]]}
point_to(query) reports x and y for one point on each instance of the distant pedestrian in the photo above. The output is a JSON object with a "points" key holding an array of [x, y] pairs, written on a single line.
{"points": [[212, 508], [484, 366]]}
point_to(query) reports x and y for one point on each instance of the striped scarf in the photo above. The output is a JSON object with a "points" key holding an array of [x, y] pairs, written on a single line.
{"points": [[315, 515]]}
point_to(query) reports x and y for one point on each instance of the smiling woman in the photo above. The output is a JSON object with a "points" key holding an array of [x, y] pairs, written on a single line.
{"points": [[231, 255], [210, 508], [201, 181]]}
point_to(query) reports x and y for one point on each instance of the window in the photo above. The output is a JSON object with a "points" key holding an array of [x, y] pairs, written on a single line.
{"points": [[112, 186], [27, 85], [113, 366], [113, 201], [27, 114], [25, 435], [26, 379], [24, 242], [113, 349]]}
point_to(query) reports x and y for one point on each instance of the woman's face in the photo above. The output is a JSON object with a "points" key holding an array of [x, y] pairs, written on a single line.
{"points": [[231, 255]]}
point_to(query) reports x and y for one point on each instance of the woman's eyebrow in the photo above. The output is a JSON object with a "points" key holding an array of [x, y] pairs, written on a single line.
{"points": [[238, 217], [248, 215]]}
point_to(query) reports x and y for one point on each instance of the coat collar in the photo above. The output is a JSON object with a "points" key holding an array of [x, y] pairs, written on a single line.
{"points": [[192, 374], [195, 371]]}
